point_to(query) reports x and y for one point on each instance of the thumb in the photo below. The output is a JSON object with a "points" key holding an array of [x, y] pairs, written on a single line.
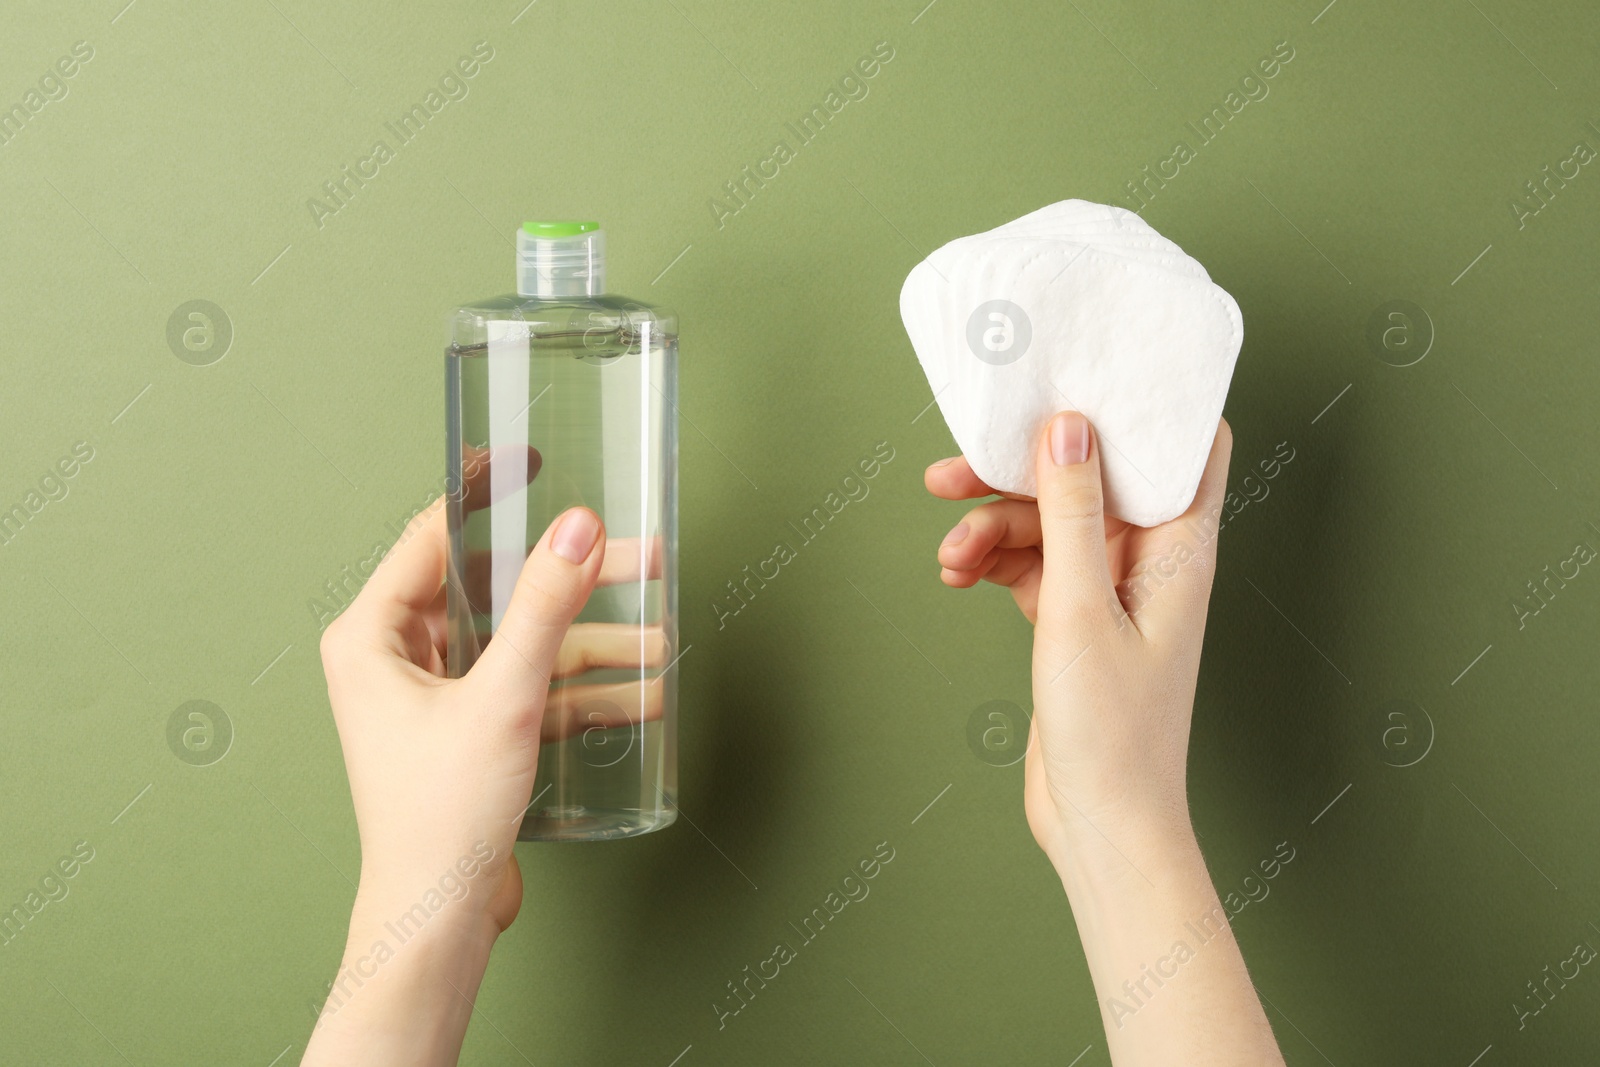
{"points": [[1180, 559], [554, 584], [1077, 601]]}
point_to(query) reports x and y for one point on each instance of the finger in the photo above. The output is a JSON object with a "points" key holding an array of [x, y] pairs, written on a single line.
{"points": [[1077, 603], [436, 618], [953, 479], [1001, 566], [1018, 569], [596, 645], [1169, 587], [390, 618], [997, 524], [575, 709], [554, 583], [626, 558], [411, 572], [478, 489], [968, 578], [1025, 585], [1207, 504], [631, 559]]}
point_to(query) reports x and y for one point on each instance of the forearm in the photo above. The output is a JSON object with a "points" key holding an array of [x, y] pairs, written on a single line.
{"points": [[1168, 975], [404, 991]]}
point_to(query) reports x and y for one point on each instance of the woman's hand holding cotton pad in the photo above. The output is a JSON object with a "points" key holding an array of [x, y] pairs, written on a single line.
{"points": [[1077, 306]]}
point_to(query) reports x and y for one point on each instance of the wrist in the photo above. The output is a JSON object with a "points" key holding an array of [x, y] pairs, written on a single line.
{"points": [[404, 989], [434, 925], [1147, 843], [1133, 882], [402, 894]]}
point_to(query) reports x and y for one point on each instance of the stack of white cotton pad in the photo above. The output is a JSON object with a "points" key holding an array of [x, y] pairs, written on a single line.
{"points": [[1079, 306]]}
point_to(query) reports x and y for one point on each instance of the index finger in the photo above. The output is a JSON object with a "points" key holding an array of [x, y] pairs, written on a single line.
{"points": [[475, 488], [953, 479], [391, 612], [409, 576]]}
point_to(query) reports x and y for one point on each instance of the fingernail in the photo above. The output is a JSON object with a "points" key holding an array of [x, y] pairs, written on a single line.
{"points": [[956, 536], [576, 535], [1069, 439], [945, 462]]}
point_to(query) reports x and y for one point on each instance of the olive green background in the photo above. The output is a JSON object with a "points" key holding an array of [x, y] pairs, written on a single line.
{"points": [[1364, 611]]}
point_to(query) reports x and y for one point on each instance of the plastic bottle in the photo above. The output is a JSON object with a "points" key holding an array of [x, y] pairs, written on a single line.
{"points": [[560, 395]]}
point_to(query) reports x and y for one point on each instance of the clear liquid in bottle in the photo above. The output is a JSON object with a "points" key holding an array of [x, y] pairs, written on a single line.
{"points": [[561, 396]]}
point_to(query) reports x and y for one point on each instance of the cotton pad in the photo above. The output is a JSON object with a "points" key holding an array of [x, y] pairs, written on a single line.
{"points": [[1077, 306]]}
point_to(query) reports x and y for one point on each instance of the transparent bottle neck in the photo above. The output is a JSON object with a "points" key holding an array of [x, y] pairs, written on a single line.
{"points": [[561, 267], [553, 284]]}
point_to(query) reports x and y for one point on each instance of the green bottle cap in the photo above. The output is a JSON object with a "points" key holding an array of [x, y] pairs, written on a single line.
{"points": [[558, 229]]}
